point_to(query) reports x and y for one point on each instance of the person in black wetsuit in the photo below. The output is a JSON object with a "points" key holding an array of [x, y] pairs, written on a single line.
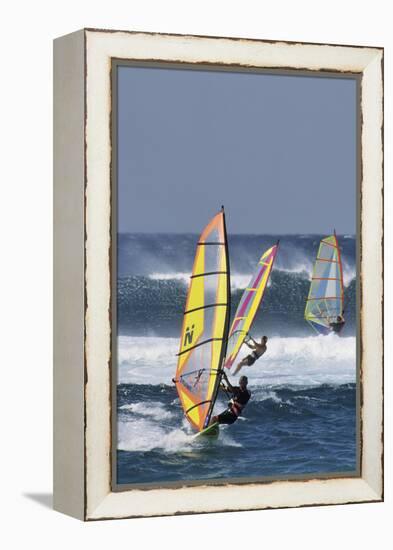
{"points": [[337, 325], [241, 396], [257, 351]]}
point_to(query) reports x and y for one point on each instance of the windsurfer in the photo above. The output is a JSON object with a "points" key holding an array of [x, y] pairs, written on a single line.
{"points": [[258, 351], [240, 398], [338, 324]]}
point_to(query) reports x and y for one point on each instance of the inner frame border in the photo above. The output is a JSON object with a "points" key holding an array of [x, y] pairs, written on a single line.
{"points": [[233, 68]]}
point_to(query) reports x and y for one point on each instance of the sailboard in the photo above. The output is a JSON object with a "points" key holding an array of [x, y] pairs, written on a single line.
{"points": [[205, 325], [325, 301], [212, 431], [249, 304]]}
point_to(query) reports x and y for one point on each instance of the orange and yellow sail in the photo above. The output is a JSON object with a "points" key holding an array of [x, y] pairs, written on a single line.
{"points": [[205, 325]]}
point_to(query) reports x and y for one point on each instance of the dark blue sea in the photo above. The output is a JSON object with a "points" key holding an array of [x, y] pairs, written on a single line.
{"points": [[301, 418]]}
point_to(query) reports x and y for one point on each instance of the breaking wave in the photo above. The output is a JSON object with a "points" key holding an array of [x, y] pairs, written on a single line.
{"points": [[290, 361]]}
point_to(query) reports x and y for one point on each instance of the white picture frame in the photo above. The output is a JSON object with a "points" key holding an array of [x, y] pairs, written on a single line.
{"points": [[83, 283]]}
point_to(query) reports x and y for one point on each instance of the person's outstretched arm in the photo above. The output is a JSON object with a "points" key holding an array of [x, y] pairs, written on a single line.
{"points": [[229, 385]]}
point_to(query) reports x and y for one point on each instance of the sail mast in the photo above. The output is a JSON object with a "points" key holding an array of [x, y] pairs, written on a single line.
{"points": [[341, 273], [227, 321]]}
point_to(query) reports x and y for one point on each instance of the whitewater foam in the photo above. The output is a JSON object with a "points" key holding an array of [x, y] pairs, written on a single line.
{"points": [[238, 280], [146, 434], [266, 395], [291, 361], [176, 276], [148, 409]]}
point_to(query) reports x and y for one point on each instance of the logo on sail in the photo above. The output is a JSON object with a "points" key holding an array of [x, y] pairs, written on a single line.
{"points": [[188, 336]]}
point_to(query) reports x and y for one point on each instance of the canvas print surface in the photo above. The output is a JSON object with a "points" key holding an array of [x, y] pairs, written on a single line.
{"points": [[236, 269]]}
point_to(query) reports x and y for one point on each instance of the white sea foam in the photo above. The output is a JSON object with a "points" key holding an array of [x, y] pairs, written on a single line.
{"points": [[349, 273], [291, 361], [177, 276], [266, 395], [238, 280], [304, 268], [148, 409], [146, 434]]}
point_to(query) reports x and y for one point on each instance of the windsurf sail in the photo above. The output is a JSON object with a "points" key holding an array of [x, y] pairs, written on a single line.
{"points": [[205, 325], [249, 304], [325, 300]]}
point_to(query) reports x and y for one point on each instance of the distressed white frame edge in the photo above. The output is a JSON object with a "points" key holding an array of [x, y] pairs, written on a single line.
{"points": [[100, 502], [69, 274]]}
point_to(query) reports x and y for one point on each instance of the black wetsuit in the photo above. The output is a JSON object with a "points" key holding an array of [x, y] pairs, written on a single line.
{"points": [[337, 327], [252, 358], [238, 402]]}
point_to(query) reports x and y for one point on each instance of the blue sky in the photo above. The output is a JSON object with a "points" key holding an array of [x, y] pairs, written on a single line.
{"points": [[278, 151]]}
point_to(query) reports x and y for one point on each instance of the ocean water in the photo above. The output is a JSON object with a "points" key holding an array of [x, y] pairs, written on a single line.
{"points": [[301, 418]]}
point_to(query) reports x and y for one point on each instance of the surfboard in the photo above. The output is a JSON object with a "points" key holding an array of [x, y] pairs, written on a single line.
{"points": [[211, 431]]}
